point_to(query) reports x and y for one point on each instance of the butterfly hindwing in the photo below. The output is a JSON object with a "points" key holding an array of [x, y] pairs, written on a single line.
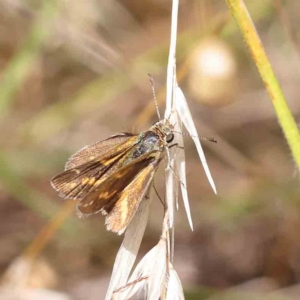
{"points": [[120, 194], [128, 201]]}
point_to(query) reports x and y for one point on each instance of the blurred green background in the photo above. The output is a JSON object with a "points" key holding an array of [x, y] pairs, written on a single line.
{"points": [[75, 72]]}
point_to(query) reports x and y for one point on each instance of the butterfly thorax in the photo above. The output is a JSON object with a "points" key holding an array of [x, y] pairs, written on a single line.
{"points": [[149, 141]]}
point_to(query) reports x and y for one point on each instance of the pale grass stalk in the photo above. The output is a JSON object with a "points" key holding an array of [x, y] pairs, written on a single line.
{"points": [[170, 195], [172, 59], [154, 277], [171, 187], [178, 138]]}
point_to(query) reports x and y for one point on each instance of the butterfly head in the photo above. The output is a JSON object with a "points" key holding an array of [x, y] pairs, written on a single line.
{"points": [[164, 129]]}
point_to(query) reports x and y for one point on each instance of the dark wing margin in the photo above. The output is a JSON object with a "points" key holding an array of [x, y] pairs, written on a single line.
{"points": [[120, 194], [77, 182], [91, 152]]}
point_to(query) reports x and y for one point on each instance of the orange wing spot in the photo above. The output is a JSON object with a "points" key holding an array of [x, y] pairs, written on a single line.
{"points": [[110, 161], [104, 195], [72, 185], [91, 181], [124, 210], [85, 180], [98, 182]]}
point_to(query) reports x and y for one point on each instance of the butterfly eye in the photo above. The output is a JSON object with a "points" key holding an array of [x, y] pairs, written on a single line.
{"points": [[170, 137]]}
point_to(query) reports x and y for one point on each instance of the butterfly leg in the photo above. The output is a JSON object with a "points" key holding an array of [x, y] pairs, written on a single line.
{"points": [[157, 194], [176, 145]]}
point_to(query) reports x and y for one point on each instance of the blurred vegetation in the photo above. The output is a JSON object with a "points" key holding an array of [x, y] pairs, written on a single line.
{"points": [[284, 115], [73, 73]]}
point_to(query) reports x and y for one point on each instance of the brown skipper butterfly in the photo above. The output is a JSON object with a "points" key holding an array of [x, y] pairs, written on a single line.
{"points": [[113, 176]]}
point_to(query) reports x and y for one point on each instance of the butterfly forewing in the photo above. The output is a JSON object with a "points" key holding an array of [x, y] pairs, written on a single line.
{"points": [[77, 182], [91, 152], [120, 194]]}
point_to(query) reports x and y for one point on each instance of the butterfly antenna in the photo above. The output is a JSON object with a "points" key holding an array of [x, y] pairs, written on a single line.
{"points": [[154, 95], [213, 140]]}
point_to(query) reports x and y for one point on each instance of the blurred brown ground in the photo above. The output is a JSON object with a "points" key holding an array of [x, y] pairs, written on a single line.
{"points": [[75, 72]]}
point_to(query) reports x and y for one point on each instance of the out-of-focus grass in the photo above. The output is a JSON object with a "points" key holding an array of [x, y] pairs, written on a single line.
{"points": [[284, 115], [199, 293], [59, 116], [20, 65], [36, 201], [41, 240], [15, 186]]}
